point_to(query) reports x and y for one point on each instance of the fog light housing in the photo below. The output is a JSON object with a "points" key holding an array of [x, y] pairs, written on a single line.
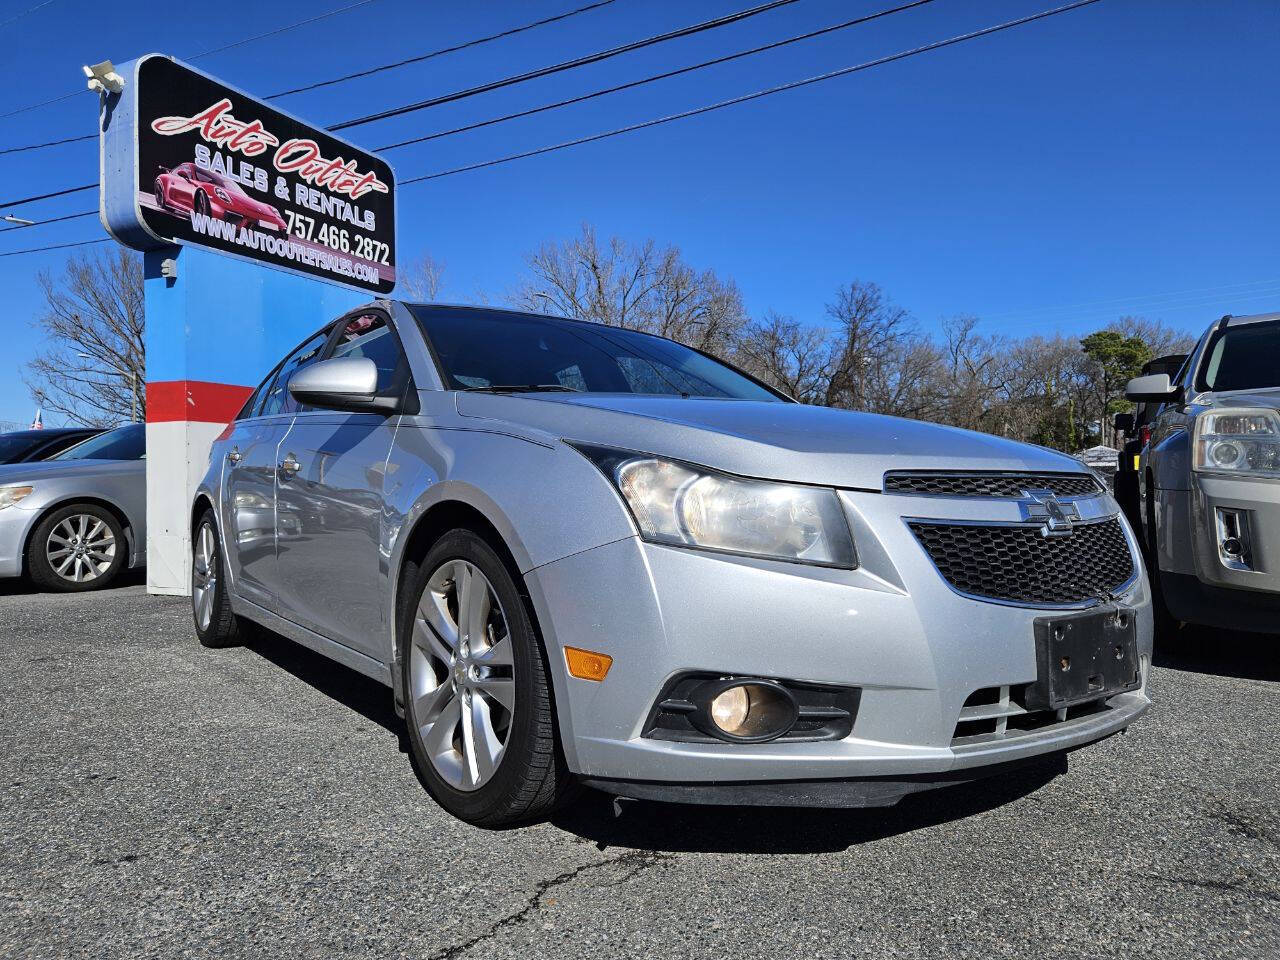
{"points": [[745, 711]]}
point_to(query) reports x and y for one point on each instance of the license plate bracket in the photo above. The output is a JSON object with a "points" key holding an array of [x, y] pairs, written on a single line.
{"points": [[1083, 657]]}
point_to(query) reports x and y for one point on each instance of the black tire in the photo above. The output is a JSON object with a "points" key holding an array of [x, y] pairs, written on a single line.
{"points": [[51, 568], [160, 200], [201, 204], [530, 779], [223, 628]]}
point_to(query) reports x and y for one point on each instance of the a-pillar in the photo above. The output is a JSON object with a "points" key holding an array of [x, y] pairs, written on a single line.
{"points": [[213, 331]]}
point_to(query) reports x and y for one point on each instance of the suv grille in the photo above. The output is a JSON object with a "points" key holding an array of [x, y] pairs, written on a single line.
{"points": [[1016, 563], [991, 485]]}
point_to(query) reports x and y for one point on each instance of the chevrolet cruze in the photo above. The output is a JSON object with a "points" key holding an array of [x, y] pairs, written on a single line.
{"points": [[585, 555]]}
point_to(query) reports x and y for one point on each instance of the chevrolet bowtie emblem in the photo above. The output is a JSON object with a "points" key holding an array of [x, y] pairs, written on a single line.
{"points": [[1056, 514]]}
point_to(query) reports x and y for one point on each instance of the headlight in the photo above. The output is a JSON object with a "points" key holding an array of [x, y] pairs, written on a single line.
{"points": [[11, 495], [1245, 442], [689, 506]]}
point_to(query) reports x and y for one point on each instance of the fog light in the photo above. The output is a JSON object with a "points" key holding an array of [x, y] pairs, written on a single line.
{"points": [[753, 710], [729, 710]]}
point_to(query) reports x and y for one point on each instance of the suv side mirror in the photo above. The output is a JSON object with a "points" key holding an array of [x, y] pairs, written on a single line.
{"points": [[343, 383], [1123, 423], [1153, 388]]}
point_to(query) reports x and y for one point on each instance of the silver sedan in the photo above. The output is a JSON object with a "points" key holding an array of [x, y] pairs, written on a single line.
{"points": [[585, 555], [76, 521]]}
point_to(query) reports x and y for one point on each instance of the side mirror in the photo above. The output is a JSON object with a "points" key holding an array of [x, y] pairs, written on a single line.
{"points": [[1123, 423], [1153, 388], [344, 383]]}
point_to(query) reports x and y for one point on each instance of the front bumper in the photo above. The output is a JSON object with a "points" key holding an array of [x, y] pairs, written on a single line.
{"points": [[893, 628], [15, 522]]}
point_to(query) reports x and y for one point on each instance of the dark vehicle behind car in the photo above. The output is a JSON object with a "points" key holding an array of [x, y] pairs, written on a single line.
{"points": [[1136, 428], [26, 446]]}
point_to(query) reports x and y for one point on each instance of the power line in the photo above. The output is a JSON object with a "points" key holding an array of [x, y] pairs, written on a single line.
{"points": [[625, 86], [657, 76], [759, 94], [41, 223], [780, 88], [198, 56], [441, 52], [48, 196], [19, 16], [351, 76], [564, 65], [53, 246]]}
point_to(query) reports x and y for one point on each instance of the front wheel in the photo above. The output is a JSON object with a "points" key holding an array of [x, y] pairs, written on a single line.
{"points": [[216, 625], [477, 697], [78, 547]]}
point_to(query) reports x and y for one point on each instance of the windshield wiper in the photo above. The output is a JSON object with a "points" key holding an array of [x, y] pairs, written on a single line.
{"points": [[522, 388]]}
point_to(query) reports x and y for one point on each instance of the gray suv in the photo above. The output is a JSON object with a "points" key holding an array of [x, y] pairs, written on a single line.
{"points": [[585, 555], [1210, 477]]}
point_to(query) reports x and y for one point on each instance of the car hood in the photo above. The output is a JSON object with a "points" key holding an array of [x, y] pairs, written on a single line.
{"points": [[61, 469], [778, 441], [1248, 398]]}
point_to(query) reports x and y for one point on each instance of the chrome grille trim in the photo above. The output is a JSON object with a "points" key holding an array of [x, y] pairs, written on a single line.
{"points": [[990, 484]]}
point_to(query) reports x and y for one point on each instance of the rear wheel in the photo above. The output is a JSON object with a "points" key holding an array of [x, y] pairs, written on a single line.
{"points": [[78, 547], [216, 625], [477, 697]]}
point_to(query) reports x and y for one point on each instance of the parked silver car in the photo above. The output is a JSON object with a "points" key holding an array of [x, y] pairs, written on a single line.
{"points": [[75, 521], [582, 554], [1208, 477]]}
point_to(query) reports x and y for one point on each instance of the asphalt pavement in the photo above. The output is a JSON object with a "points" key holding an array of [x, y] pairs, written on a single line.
{"points": [[162, 800]]}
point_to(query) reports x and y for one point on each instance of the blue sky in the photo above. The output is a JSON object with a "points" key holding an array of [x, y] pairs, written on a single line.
{"points": [[1116, 159]]}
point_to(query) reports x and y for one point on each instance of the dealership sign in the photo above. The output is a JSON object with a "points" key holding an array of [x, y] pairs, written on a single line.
{"points": [[188, 160]]}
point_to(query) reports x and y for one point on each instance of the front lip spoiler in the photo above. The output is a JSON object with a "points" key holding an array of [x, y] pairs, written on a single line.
{"points": [[851, 793]]}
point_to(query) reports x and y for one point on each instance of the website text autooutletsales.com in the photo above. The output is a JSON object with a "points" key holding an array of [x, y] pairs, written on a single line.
{"points": [[284, 247]]}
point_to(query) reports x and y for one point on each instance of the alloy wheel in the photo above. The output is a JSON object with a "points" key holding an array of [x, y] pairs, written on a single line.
{"points": [[204, 575], [81, 548], [461, 675]]}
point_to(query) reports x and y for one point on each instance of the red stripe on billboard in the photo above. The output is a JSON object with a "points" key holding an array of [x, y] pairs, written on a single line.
{"points": [[194, 400]]}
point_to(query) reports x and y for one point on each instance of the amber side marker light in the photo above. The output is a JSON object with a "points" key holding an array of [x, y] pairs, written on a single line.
{"points": [[586, 665]]}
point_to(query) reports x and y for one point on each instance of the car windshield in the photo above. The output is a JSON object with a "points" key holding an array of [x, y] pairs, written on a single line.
{"points": [[1243, 358], [225, 182], [492, 350], [123, 443]]}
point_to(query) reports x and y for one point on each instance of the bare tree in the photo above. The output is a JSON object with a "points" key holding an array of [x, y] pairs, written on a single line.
{"points": [[639, 287], [93, 367], [421, 280], [795, 358], [1161, 339], [880, 361]]}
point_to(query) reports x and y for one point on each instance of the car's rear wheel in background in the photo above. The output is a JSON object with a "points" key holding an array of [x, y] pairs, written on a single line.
{"points": [[78, 547], [216, 625], [477, 697]]}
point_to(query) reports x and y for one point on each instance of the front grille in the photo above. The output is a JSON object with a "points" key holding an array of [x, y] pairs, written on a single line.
{"points": [[1017, 563], [995, 713], [1012, 486]]}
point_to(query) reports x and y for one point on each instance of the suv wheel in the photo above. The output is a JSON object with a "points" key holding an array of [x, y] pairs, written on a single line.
{"points": [[77, 547], [477, 698]]}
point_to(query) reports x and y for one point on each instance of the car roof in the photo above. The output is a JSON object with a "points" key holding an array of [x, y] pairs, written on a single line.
{"points": [[1252, 318], [50, 432]]}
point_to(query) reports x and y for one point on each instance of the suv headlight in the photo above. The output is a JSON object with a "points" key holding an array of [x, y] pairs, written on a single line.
{"points": [[11, 495], [683, 505], [1245, 442]]}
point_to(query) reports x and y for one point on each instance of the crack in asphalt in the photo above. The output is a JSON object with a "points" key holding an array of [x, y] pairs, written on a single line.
{"points": [[1240, 825], [1222, 886], [636, 860]]}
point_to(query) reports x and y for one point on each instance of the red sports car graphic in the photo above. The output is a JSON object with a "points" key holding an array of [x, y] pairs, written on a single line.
{"points": [[187, 187]]}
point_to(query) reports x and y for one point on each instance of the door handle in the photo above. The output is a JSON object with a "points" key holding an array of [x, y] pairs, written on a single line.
{"points": [[234, 455], [290, 465]]}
